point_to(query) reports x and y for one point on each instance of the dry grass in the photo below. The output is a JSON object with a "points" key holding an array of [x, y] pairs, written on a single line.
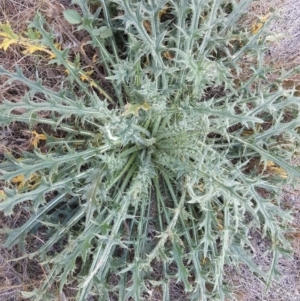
{"points": [[248, 287], [25, 275], [21, 275], [283, 53]]}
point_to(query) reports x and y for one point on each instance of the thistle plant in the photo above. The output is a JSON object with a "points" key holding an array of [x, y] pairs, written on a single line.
{"points": [[168, 160]]}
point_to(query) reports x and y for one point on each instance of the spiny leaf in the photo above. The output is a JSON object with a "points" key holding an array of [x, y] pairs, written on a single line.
{"points": [[171, 184]]}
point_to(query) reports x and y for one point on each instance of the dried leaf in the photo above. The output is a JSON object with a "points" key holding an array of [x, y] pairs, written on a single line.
{"points": [[31, 48], [6, 43], [36, 137], [9, 36], [85, 76], [163, 12], [168, 55], [2, 195], [20, 180], [271, 167], [7, 32], [134, 108], [257, 26], [31, 183], [247, 133], [147, 26], [94, 59]]}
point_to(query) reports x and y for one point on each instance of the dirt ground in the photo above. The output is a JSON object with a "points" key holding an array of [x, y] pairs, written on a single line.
{"points": [[284, 51]]}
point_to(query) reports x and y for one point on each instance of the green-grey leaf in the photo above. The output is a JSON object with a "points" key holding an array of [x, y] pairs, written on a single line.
{"points": [[72, 16], [105, 32]]}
